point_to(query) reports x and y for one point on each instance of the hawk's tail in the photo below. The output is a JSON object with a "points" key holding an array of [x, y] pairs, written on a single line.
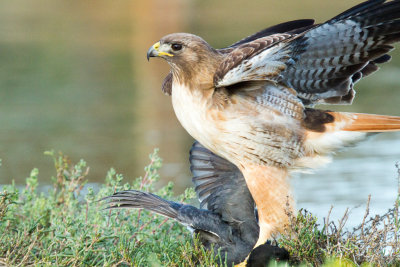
{"points": [[328, 131], [143, 200], [370, 123]]}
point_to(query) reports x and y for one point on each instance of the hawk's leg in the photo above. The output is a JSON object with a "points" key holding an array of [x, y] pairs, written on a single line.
{"points": [[270, 189]]}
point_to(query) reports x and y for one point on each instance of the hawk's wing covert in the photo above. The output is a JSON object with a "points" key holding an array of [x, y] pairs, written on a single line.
{"points": [[294, 26]]}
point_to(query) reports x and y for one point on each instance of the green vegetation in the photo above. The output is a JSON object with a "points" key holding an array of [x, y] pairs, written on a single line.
{"points": [[375, 242], [67, 226], [64, 226]]}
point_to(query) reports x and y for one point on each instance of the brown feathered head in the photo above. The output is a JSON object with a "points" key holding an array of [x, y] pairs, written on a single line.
{"points": [[187, 54]]}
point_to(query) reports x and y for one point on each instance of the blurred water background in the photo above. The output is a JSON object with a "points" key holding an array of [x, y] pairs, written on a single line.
{"points": [[74, 78]]}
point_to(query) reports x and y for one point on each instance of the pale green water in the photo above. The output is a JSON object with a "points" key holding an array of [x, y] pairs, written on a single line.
{"points": [[74, 78]]}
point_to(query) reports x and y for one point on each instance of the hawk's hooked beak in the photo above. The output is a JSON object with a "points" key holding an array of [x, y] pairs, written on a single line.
{"points": [[156, 51]]}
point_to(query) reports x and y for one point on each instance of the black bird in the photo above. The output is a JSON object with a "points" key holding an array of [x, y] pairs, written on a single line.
{"points": [[226, 219]]}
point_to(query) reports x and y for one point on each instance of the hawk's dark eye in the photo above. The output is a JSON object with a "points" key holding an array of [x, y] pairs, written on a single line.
{"points": [[176, 47]]}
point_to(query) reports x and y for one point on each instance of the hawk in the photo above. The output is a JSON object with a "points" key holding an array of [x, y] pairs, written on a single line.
{"points": [[251, 103]]}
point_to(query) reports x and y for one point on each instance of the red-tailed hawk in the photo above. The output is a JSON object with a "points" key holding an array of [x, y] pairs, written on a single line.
{"points": [[250, 103]]}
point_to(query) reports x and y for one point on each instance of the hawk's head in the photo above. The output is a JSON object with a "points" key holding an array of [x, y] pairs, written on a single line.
{"points": [[187, 54]]}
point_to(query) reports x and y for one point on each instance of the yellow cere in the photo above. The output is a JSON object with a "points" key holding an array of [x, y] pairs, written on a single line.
{"points": [[156, 46], [161, 53]]}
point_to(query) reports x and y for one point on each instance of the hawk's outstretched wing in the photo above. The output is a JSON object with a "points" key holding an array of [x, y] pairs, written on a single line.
{"points": [[322, 63]]}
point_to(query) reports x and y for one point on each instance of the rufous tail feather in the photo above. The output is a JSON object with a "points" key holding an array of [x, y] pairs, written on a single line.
{"points": [[359, 122]]}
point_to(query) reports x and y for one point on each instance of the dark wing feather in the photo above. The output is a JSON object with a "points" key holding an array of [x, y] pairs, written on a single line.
{"points": [[343, 50], [198, 219], [142, 200], [220, 186], [285, 27], [356, 9], [323, 62]]}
